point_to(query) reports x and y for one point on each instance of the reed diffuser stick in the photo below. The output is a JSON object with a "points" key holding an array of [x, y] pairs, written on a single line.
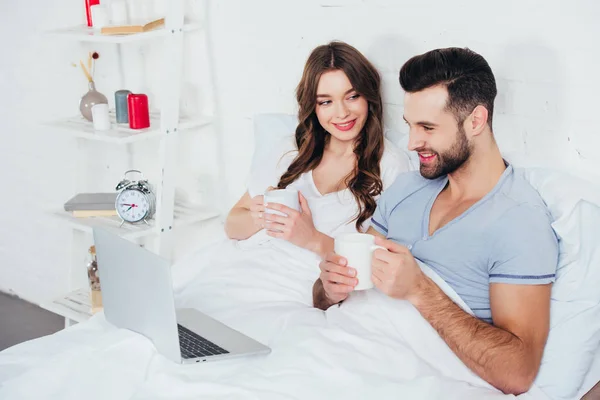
{"points": [[85, 71]]}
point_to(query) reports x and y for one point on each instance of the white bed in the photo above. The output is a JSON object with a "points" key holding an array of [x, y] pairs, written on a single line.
{"points": [[370, 347]]}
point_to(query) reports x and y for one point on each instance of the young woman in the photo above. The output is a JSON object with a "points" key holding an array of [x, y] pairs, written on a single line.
{"points": [[338, 159]]}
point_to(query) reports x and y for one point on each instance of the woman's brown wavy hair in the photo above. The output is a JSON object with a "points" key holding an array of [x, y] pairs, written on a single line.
{"points": [[365, 181]]}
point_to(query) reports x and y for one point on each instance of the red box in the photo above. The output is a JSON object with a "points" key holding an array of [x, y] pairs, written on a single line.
{"points": [[88, 12], [139, 114]]}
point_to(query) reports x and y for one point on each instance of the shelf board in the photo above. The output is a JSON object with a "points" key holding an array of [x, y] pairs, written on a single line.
{"points": [[121, 133], [76, 305], [86, 34], [113, 224]]}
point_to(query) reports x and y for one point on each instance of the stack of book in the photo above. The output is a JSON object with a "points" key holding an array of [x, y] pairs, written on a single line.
{"points": [[85, 205]]}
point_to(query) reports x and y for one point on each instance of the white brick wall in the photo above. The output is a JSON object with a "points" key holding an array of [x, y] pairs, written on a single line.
{"points": [[544, 54]]}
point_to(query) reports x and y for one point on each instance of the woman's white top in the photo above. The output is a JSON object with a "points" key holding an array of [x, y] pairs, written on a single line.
{"points": [[333, 213]]}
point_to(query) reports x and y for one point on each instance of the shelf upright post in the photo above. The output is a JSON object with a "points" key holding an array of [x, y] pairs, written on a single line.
{"points": [[170, 92]]}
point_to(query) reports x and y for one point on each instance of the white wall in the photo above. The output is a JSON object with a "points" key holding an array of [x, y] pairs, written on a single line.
{"points": [[544, 54]]}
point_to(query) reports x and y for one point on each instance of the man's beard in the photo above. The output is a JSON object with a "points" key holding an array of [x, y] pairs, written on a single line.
{"points": [[450, 160]]}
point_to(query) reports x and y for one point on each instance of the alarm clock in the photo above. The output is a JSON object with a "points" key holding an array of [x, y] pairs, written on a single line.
{"points": [[136, 202]]}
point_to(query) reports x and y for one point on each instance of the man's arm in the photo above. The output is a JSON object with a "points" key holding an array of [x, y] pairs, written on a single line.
{"points": [[320, 299], [508, 354]]}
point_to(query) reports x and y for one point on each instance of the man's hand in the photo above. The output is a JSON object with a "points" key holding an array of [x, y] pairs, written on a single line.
{"points": [[335, 282], [395, 272]]}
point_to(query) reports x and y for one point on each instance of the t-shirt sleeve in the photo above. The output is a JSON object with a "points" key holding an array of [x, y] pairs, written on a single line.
{"points": [[269, 169], [379, 219], [394, 163], [525, 248]]}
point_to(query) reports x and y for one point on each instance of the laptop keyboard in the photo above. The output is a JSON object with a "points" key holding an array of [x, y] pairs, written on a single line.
{"points": [[193, 345]]}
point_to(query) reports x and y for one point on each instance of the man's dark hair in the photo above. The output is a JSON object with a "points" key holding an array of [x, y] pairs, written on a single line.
{"points": [[465, 74]]}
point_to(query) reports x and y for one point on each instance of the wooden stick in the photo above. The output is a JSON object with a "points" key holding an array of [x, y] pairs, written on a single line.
{"points": [[87, 74]]}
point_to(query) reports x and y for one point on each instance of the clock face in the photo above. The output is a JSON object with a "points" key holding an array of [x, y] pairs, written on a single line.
{"points": [[132, 205]]}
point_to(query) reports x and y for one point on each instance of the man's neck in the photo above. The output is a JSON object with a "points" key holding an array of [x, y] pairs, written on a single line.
{"points": [[478, 176]]}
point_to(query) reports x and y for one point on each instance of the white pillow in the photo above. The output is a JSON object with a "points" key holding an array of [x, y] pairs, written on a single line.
{"points": [[268, 130], [574, 336]]}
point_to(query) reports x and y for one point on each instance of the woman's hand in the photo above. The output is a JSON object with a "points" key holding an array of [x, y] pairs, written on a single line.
{"points": [[257, 211], [246, 217], [296, 227]]}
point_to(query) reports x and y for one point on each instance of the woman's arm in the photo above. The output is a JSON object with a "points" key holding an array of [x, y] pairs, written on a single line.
{"points": [[245, 218]]}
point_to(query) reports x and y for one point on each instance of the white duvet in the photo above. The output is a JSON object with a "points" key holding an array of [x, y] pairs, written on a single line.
{"points": [[371, 347]]}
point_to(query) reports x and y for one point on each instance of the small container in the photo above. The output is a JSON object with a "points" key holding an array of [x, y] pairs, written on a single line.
{"points": [[94, 281], [121, 106], [118, 12], [99, 16], [88, 11], [100, 117], [139, 113]]}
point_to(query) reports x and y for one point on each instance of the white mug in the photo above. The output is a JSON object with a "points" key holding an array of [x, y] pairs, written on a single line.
{"points": [[287, 197], [100, 117], [357, 249]]}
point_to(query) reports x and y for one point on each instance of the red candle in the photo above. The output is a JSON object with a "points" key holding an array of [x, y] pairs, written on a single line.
{"points": [[139, 114], [88, 12]]}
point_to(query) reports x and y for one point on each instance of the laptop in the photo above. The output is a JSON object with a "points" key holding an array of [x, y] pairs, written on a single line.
{"points": [[137, 294]]}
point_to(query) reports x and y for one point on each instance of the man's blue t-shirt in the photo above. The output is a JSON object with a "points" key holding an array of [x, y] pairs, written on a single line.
{"points": [[506, 237]]}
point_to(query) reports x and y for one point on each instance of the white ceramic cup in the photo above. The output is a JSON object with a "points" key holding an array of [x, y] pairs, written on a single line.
{"points": [[100, 117], [287, 197], [357, 249]]}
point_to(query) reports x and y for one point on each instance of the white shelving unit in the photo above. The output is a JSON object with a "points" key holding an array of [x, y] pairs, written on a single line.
{"points": [[121, 133], [181, 219], [83, 33], [74, 306], [165, 126]]}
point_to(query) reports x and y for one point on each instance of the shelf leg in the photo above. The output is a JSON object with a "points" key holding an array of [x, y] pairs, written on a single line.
{"points": [[173, 68]]}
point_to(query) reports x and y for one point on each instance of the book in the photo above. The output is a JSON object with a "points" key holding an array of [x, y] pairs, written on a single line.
{"points": [[131, 29], [91, 201], [94, 213]]}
